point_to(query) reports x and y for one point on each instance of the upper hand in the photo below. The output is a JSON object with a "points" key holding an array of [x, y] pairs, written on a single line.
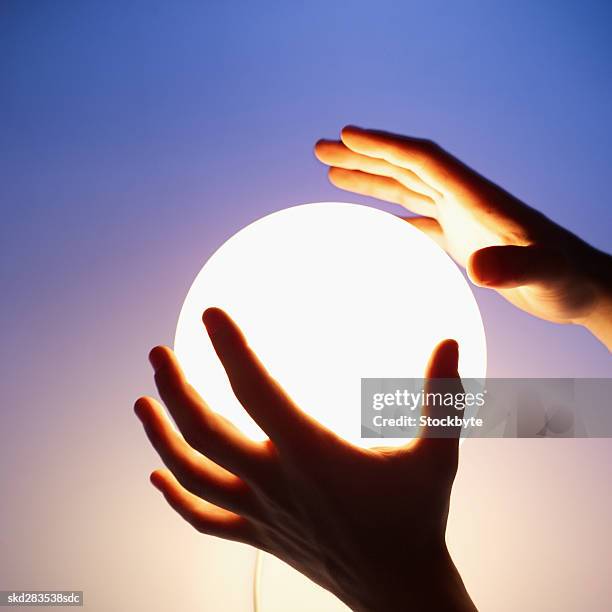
{"points": [[504, 244]]}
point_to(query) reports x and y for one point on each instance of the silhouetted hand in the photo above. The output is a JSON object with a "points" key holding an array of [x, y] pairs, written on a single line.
{"points": [[368, 525], [506, 245]]}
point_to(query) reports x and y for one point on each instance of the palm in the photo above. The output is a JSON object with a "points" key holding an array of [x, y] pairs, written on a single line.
{"points": [[349, 497]]}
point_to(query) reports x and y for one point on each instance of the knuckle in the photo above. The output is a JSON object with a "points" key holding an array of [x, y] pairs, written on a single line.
{"points": [[199, 525], [427, 146], [190, 483], [165, 383], [194, 439], [142, 404]]}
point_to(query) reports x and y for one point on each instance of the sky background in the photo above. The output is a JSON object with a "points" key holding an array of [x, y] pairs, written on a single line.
{"points": [[137, 137]]}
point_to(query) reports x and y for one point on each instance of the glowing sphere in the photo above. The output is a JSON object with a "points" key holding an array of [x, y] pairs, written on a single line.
{"points": [[326, 294]]}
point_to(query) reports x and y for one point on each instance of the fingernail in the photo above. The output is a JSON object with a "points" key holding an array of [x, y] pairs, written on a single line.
{"points": [[490, 271], [157, 357], [355, 129], [137, 408], [212, 319], [155, 479], [489, 268], [455, 350]]}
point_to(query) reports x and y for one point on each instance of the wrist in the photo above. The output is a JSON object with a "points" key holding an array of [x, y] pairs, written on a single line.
{"points": [[430, 584], [599, 318]]}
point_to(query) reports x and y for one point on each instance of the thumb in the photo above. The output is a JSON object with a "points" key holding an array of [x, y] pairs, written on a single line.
{"points": [[442, 380], [503, 267], [444, 361], [441, 377]]}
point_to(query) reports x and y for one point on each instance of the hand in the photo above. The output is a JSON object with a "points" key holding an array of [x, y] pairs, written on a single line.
{"points": [[368, 525], [535, 264]]}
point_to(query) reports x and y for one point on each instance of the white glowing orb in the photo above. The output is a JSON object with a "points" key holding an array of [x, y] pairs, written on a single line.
{"points": [[326, 294]]}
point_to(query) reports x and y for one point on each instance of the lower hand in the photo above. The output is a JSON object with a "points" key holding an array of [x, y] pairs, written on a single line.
{"points": [[368, 525]]}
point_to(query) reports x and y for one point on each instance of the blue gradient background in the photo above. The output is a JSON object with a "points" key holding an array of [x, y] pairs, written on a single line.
{"points": [[136, 137]]}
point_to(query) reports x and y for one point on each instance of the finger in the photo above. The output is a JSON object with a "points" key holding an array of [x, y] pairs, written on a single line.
{"points": [[442, 386], [260, 395], [430, 227], [337, 154], [205, 517], [514, 266], [383, 188], [200, 426], [427, 160], [195, 472]]}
